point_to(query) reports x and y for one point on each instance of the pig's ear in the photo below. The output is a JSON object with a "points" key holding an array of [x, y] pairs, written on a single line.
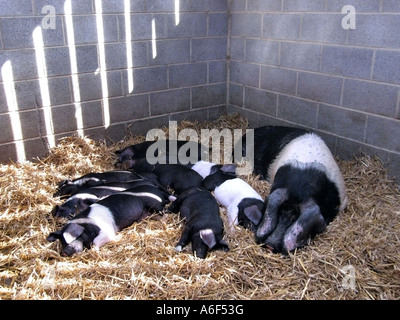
{"points": [[229, 168], [54, 236], [208, 237], [72, 232], [254, 214]]}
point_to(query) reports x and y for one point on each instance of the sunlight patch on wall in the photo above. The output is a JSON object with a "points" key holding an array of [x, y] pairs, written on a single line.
{"points": [[103, 66], [12, 103], [44, 85], [153, 38], [129, 57], [74, 66], [177, 12]]}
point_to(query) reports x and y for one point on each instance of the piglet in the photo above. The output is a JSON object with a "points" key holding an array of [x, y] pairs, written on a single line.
{"points": [[245, 206], [99, 223], [85, 197], [70, 187], [176, 176], [168, 148], [203, 227]]}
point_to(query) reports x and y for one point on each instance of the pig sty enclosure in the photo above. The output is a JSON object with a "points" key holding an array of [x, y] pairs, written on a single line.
{"points": [[82, 79]]}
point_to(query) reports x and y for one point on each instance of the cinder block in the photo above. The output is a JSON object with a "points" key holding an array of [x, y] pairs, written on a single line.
{"points": [[370, 97], [111, 134], [262, 51], [301, 56], [209, 5], [91, 86], [264, 6], [149, 79], [129, 108], [303, 5], [92, 114], [143, 126], [85, 28], [29, 93], [218, 24], [171, 51], [21, 64], [141, 26], [246, 24], [383, 132], [35, 148], [298, 111], [6, 133], [278, 79], [209, 49], [237, 48], [376, 31], [391, 6], [185, 75], [18, 32], [217, 71], [86, 57], [210, 95], [359, 5], [347, 61], [190, 25], [326, 28], [319, 87], [15, 7], [58, 61], [169, 101], [64, 119], [244, 73], [236, 95], [8, 153], [78, 6], [387, 66], [160, 6], [342, 122], [281, 26], [238, 5], [260, 101]]}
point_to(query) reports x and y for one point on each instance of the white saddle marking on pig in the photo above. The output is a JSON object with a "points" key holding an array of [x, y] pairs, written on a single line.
{"points": [[109, 188], [203, 168], [102, 217], [84, 180], [310, 150], [82, 196], [231, 193], [143, 194]]}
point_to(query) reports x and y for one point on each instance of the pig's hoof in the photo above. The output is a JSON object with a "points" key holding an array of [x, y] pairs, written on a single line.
{"points": [[178, 248]]}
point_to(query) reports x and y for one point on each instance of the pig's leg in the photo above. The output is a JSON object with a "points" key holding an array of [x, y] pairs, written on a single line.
{"points": [[270, 218], [185, 238], [233, 212], [309, 223]]}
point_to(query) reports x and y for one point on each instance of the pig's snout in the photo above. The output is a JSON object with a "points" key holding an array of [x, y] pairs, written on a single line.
{"points": [[68, 251]]}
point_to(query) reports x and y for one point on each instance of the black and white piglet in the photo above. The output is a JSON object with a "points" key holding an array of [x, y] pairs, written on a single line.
{"points": [[176, 176], [70, 187], [85, 197], [169, 148], [99, 223], [203, 226], [307, 190], [245, 206]]}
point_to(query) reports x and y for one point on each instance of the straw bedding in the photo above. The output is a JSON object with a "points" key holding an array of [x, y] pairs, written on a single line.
{"points": [[142, 263]]}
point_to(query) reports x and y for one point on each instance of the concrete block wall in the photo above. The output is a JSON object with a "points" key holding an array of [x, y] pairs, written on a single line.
{"points": [[54, 85], [293, 63]]}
